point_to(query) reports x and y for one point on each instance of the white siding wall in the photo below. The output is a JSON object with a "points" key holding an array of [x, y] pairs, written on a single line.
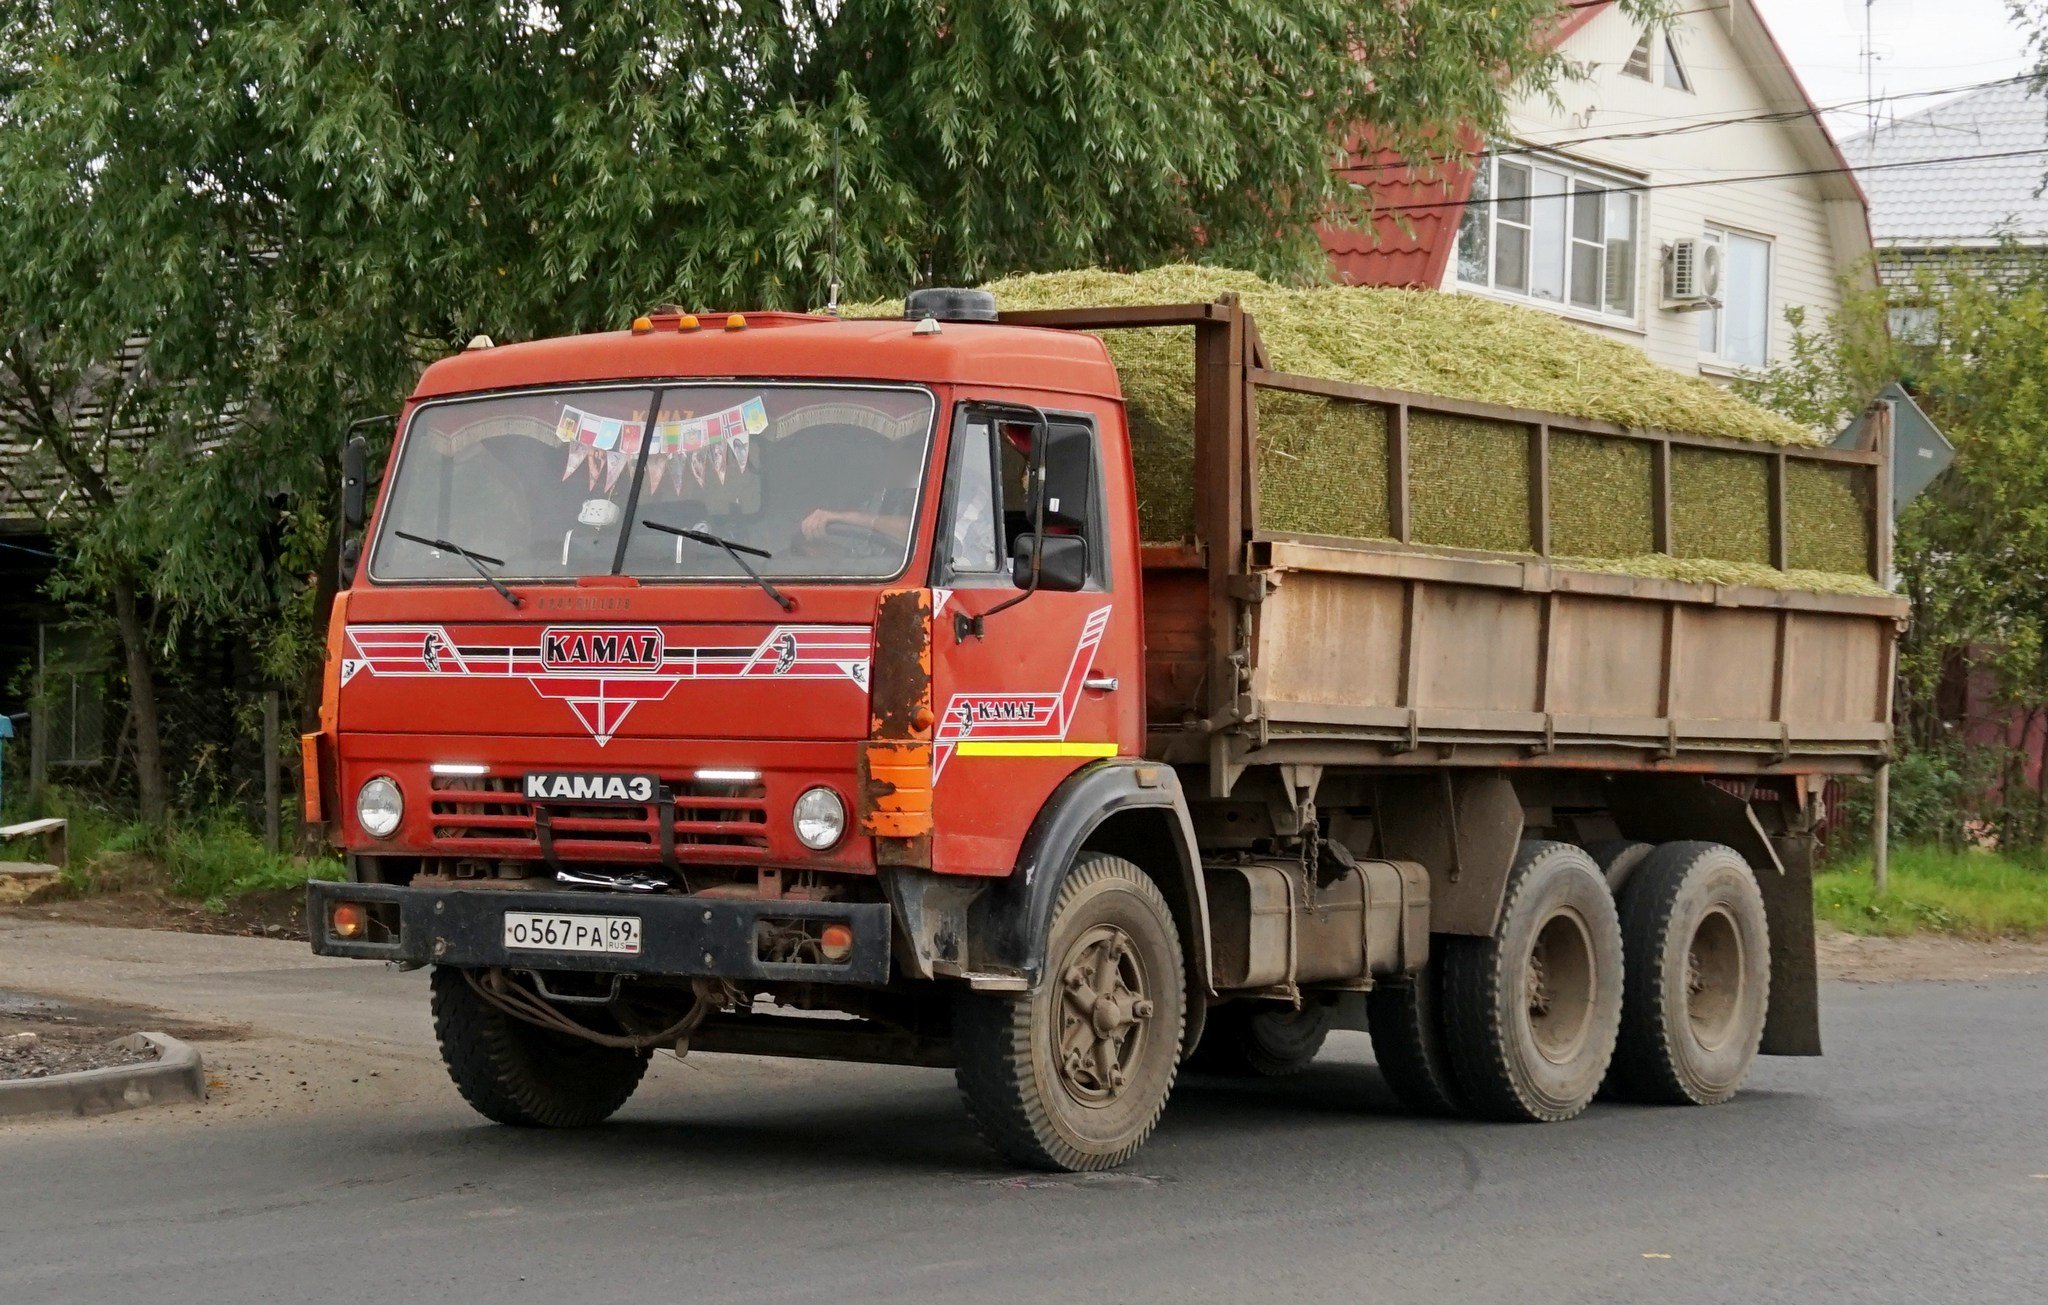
{"points": [[1816, 241]]}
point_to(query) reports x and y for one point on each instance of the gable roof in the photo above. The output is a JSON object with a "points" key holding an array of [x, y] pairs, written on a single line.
{"points": [[1410, 245], [1966, 203]]}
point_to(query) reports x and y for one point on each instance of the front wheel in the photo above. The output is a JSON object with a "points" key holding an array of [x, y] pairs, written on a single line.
{"points": [[1075, 1074], [514, 1073]]}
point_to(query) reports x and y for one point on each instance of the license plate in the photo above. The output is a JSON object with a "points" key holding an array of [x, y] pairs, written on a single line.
{"points": [[580, 786], [536, 932]]}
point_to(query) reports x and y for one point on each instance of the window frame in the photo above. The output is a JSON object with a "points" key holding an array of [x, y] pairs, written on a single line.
{"points": [[1715, 356], [1674, 67], [944, 573], [1581, 179]]}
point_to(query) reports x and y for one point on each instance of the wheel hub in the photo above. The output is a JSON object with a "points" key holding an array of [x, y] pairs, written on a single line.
{"points": [[1104, 1012], [1559, 987], [1715, 987]]}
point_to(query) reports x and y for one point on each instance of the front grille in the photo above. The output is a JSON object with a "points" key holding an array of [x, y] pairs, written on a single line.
{"points": [[713, 821]]}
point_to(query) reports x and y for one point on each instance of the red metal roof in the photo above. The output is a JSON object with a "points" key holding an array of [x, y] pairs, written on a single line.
{"points": [[1405, 245], [787, 344]]}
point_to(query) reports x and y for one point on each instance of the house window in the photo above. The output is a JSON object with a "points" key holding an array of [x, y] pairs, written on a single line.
{"points": [[1638, 65], [1539, 229], [1674, 70], [1739, 331]]}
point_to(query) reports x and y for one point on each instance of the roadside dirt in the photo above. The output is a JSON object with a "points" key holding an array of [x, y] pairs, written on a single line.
{"points": [[1857, 959], [276, 914]]}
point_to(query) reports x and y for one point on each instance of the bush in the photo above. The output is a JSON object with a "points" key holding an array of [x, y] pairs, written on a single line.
{"points": [[1938, 799]]}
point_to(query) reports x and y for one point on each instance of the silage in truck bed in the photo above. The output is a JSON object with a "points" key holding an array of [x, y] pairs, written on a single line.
{"points": [[1322, 464]]}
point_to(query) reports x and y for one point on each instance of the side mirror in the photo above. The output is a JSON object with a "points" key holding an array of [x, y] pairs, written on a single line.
{"points": [[1061, 562], [355, 471]]}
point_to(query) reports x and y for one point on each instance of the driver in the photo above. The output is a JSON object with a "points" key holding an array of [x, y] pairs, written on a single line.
{"points": [[894, 524], [890, 518]]}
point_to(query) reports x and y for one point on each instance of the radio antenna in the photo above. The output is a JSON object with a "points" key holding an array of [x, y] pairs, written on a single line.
{"points": [[832, 257]]}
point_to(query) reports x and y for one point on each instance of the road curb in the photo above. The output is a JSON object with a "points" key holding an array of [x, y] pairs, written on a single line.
{"points": [[175, 1075]]}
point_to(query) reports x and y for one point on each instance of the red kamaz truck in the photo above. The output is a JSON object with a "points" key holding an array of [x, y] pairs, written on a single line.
{"points": [[783, 685]]}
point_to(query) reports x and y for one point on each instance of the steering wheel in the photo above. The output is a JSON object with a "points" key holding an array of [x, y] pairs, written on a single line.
{"points": [[863, 538]]}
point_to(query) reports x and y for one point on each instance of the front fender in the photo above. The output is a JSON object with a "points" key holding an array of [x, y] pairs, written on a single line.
{"points": [[1009, 922]]}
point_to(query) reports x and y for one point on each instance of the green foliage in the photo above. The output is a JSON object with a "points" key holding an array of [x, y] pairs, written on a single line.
{"points": [[296, 204], [217, 858], [1974, 894], [210, 857], [1972, 552], [1941, 797]]}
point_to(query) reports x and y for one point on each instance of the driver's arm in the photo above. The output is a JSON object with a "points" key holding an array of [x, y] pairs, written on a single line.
{"points": [[896, 527]]}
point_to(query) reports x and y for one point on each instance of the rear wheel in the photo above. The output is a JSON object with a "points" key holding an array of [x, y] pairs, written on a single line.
{"points": [[514, 1073], [1075, 1074], [1618, 859], [1406, 1020], [1532, 1012], [1699, 976], [1262, 1039]]}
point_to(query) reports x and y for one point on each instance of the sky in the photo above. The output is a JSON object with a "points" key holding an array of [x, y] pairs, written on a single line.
{"points": [[1921, 45]]}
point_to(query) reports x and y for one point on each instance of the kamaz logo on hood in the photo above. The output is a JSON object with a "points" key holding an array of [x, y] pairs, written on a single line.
{"points": [[611, 649]]}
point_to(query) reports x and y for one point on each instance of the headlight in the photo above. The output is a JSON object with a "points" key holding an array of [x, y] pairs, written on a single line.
{"points": [[379, 805], [820, 818]]}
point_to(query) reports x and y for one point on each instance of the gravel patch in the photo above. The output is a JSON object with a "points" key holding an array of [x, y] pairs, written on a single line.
{"points": [[38, 1049]]}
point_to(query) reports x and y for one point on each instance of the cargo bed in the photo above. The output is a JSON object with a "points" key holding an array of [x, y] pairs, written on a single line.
{"points": [[1272, 647]]}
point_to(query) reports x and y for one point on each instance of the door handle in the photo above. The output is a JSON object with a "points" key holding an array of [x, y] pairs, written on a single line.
{"points": [[1100, 683]]}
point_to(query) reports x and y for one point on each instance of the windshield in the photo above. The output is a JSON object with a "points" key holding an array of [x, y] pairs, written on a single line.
{"points": [[810, 481]]}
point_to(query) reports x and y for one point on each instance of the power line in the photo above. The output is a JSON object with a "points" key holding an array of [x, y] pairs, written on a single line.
{"points": [[1725, 181], [1681, 128], [1782, 115]]}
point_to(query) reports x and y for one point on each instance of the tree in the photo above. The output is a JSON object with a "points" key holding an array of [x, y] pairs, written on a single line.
{"points": [[297, 203], [1972, 552]]}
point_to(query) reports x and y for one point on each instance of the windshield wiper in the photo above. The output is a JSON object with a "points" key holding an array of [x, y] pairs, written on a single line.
{"points": [[475, 560], [782, 600]]}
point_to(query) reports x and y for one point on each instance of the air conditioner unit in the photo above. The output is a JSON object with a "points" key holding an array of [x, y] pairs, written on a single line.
{"points": [[1692, 275]]}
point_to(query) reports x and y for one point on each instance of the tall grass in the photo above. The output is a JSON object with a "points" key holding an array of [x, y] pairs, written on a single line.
{"points": [[212, 857], [1971, 894]]}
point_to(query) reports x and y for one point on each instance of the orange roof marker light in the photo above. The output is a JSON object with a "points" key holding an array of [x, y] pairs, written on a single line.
{"points": [[736, 322], [642, 325], [687, 322]]}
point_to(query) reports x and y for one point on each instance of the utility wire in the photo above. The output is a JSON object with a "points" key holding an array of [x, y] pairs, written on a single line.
{"points": [[1724, 181], [1687, 127], [1781, 115]]}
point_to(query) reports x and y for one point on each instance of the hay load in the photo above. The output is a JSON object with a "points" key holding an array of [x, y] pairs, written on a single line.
{"points": [[1323, 463]]}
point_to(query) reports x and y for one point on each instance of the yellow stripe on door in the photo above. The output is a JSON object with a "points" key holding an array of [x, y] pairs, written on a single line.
{"points": [[995, 748]]}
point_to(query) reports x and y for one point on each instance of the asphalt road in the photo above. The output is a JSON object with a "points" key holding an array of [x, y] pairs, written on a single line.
{"points": [[1909, 1164]]}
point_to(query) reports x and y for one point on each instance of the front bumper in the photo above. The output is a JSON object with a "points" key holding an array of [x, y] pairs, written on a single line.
{"points": [[679, 935]]}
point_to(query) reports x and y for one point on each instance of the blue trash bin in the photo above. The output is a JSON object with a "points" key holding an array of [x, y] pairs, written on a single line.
{"points": [[6, 733]]}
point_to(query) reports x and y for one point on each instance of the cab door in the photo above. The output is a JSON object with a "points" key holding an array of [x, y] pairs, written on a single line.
{"points": [[1026, 695]]}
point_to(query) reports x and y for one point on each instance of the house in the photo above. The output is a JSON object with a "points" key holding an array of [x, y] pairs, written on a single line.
{"points": [[1671, 151], [1935, 196]]}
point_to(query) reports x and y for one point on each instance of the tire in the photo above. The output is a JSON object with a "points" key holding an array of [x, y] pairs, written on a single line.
{"points": [[1618, 859], [1699, 976], [1032, 1093], [1258, 1039], [1531, 1014], [513, 1073], [1406, 1020]]}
